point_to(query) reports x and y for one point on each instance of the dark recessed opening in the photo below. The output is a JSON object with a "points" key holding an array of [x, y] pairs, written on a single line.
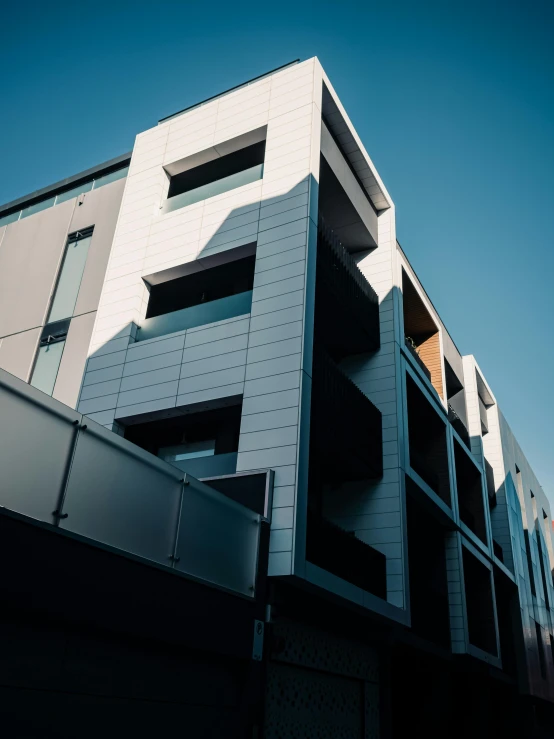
{"points": [[183, 440], [508, 615], [480, 611], [202, 287], [339, 213], [540, 650], [529, 561], [453, 383], [421, 334], [470, 493], [342, 553], [542, 554], [249, 490], [217, 169], [455, 394], [427, 442], [427, 571]]}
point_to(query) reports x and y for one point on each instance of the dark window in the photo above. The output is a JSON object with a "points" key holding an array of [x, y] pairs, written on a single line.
{"points": [[479, 605], [470, 493], [217, 169], [427, 442], [49, 356], [203, 286], [540, 650], [203, 444], [543, 571], [427, 569], [530, 562]]}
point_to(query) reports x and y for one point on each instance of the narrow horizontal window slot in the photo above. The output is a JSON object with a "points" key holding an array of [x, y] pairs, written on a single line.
{"points": [[215, 177]]}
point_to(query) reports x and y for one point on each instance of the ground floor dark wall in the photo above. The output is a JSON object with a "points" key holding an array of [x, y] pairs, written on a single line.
{"points": [[335, 672], [95, 644], [58, 680]]}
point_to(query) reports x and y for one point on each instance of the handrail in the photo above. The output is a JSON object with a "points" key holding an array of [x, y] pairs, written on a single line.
{"points": [[202, 314], [72, 473]]}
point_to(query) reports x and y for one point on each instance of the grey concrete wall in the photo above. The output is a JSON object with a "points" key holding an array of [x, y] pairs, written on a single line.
{"points": [[29, 260], [31, 253], [17, 352], [74, 357], [100, 208]]}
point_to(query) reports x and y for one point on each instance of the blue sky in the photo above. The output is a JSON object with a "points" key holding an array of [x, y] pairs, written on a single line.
{"points": [[454, 102]]}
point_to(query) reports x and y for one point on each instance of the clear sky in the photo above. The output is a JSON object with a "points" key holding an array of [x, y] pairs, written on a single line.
{"points": [[453, 100]]}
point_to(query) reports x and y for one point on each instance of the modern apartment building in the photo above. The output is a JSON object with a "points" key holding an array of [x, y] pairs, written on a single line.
{"points": [[231, 298]]}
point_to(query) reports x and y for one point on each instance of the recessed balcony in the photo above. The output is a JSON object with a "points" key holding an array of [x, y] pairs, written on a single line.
{"points": [[470, 493], [427, 442], [347, 307], [216, 170], [199, 292], [345, 555], [412, 348], [196, 315], [485, 401], [422, 337], [202, 443], [218, 187], [346, 428], [483, 417]]}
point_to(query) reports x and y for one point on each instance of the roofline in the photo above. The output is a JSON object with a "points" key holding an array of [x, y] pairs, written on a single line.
{"points": [[37, 195], [231, 89]]}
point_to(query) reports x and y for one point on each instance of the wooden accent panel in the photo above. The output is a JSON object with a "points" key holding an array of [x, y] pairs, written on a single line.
{"points": [[430, 354]]}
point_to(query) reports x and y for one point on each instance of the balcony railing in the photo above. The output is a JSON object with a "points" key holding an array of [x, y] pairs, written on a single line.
{"points": [[344, 555], [197, 315], [417, 358], [214, 466], [214, 188], [61, 468], [347, 310], [346, 427]]}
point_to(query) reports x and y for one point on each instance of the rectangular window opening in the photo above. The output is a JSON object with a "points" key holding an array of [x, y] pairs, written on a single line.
{"points": [[427, 571], [422, 338], [540, 650], [207, 290], [202, 443], [543, 569], [479, 603], [225, 167], [70, 276], [427, 442], [49, 356], [530, 562], [470, 493]]}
